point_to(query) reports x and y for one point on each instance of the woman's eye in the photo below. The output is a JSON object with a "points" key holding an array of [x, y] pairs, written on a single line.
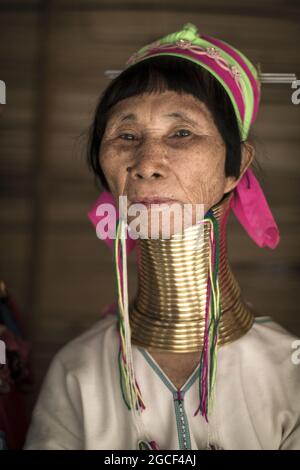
{"points": [[121, 136], [182, 131]]}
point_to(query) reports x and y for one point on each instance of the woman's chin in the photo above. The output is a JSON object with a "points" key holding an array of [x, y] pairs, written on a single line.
{"points": [[161, 227]]}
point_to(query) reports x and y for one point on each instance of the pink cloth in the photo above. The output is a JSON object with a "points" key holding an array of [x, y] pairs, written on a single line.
{"points": [[107, 198], [248, 204], [252, 211]]}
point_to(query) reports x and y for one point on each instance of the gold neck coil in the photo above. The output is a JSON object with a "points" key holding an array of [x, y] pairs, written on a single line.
{"points": [[168, 311]]}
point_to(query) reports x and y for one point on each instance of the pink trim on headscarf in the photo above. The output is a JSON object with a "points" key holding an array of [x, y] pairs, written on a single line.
{"points": [[243, 64], [248, 204], [223, 74]]}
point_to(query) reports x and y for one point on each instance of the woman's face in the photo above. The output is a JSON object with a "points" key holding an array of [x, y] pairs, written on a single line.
{"points": [[165, 145]]}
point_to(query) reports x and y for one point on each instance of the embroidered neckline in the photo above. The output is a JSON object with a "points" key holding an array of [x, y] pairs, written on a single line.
{"points": [[155, 366]]}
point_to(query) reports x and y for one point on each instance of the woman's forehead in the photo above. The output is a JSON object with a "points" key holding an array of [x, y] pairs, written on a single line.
{"points": [[166, 104]]}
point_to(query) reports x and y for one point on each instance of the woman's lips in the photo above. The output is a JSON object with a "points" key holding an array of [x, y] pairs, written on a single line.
{"points": [[158, 201]]}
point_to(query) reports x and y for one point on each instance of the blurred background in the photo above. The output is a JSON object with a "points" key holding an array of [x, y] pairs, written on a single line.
{"points": [[53, 55]]}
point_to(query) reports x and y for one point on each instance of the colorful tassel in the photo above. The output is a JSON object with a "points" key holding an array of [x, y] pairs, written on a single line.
{"points": [[208, 360], [130, 389]]}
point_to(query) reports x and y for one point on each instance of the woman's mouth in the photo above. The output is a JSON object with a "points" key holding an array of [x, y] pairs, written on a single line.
{"points": [[157, 201]]}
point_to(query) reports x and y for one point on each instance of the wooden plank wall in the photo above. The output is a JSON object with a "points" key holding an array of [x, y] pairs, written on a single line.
{"points": [[53, 56]]}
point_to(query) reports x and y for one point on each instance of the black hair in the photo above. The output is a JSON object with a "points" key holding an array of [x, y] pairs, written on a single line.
{"points": [[158, 74]]}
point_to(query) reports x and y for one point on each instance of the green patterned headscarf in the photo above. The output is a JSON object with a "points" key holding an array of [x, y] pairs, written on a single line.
{"points": [[228, 65]]}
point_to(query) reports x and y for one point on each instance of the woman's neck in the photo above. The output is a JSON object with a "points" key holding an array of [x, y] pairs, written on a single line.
{"points": [[168, 312]]}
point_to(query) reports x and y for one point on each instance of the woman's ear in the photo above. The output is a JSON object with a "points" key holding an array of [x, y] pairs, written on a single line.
{"points": [[248, 152]]}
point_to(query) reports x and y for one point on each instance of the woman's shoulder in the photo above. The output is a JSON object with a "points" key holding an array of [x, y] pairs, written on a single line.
{"points": [[268, 331], [269, 346], [105, 325], [268, 335], [92, 344]]}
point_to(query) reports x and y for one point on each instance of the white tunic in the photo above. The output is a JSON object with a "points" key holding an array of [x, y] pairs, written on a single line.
{"points": [[257, 403]]}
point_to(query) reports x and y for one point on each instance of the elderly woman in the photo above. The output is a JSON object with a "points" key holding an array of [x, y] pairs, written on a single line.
{"points": [[186, 364]]}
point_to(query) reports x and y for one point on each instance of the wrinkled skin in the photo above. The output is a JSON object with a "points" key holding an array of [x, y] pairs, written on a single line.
{"points": [[154, 155]]}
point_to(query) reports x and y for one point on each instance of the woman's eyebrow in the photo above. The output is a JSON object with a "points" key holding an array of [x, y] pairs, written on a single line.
{"points": [[183, 116]]}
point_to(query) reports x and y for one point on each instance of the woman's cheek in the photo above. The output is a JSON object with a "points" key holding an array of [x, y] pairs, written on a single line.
{"points": [[206, 181], [109, 162], [213, 187]]}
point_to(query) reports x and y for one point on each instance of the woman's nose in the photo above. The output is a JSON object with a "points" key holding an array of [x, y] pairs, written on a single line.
{"points": [[148, 164]]}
